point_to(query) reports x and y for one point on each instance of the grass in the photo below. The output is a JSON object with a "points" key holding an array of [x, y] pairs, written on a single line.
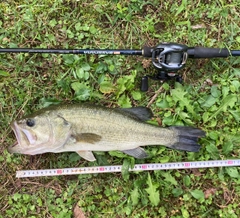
{"points": [[208, 99]]}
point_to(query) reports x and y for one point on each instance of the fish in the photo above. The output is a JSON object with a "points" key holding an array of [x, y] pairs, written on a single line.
{"points": [[85, 128]]}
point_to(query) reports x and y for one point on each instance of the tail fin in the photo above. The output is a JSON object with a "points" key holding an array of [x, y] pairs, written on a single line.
{"points": [[187, 138]]}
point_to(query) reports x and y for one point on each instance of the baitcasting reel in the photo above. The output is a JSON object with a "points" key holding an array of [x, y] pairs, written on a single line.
{"points": [[167, 58]]}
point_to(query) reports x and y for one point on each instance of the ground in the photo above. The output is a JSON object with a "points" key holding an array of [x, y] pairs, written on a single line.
{"points": [[208, 99]]}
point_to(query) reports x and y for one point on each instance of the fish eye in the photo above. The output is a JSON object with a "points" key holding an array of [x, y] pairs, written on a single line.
{"points": [[30, 122]]}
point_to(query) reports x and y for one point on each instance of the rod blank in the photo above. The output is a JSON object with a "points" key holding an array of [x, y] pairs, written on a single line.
{"points": [[73, 51]]}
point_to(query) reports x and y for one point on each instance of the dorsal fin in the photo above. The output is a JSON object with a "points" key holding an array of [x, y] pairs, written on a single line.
{"points": [[140, 113]]}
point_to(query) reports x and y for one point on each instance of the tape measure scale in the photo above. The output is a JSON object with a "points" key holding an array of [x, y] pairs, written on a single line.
{"points": [[118, 168]]}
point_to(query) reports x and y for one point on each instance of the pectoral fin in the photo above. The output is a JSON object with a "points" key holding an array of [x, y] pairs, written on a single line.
{"points": [[136, 152], [87, 155], [87, 138]]}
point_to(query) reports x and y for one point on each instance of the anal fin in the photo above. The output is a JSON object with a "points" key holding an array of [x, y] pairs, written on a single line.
{"points": [[87, 155], [139, 153]]}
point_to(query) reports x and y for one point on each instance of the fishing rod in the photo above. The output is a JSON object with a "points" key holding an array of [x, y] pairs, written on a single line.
{"points": [[167, 58]]}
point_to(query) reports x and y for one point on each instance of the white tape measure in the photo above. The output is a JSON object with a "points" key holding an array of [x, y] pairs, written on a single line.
{"points": [[137, 167]]}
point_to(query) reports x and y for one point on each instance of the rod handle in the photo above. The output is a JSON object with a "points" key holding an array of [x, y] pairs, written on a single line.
{"points": [[201, 52]]}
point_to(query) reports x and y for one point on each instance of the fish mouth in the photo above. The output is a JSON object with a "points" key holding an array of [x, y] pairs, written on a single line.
{"points": [[22, 136], [17, 144]]}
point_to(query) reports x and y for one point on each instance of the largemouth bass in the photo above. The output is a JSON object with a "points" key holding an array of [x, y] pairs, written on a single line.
{"points": [[84, 128]]}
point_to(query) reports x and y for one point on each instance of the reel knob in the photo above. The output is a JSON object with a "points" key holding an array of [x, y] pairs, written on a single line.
{"points": [[144, 84]]}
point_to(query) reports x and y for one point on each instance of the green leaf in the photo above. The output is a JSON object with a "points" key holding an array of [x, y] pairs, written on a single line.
{"points": [[162, 211], [163, 104], [185, 213], [232, 172], [213, 135], [86, 75], [80, 73], [117, 154], [227, 147], [82, 91], [236, 71], [26, 197], [78, 26], [93, 30], [186, 181], [198, 194], [184, 116], [51, 37], [86, 67], [124, 101], [45, 102], [165, 86], [125, 83], [136, 95], [2, 158], [111, 67], [179, 96], [210, 101], [164, 159], [135, 196], [76, 86], [119, 6], [80, 37], [52, 23], [16, 196], [182, 7], [236, 114], [225, 91], [40, 202], [238, 39], [120, 89], [169, 178], [4, 73], [177, 192], [205, 116], [154, 195], [228, 101], [215, 92], [106, 87], [236, 84], [168, 120], [212, 149], [85, 27], [73, 157]]}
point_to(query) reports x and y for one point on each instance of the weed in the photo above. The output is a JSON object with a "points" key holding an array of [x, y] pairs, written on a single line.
{"points": [[209, 99]]}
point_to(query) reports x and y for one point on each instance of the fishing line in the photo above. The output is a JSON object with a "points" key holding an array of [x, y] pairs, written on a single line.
{"points": [[137, 167]]}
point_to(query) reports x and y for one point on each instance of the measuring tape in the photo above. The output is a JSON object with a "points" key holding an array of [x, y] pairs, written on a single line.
{"points": [[118, 168]]}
